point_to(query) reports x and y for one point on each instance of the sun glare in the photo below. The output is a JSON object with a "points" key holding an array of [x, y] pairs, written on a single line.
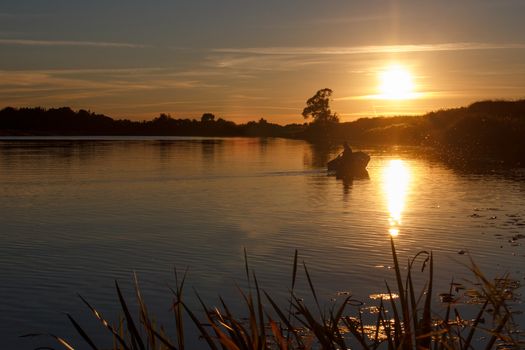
{"points": [[396, 83]]}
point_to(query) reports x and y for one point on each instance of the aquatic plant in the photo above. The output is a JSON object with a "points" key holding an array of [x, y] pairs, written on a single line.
{"points": [[404, 318]]}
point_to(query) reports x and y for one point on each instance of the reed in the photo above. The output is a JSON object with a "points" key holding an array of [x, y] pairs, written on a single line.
{"points": [[405, 318]]}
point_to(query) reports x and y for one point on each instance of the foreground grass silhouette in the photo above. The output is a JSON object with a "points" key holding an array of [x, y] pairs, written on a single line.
{"points": [[404, 319]]}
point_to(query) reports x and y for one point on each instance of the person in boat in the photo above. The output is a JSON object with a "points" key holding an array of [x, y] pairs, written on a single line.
{"points": [[347, 151]]}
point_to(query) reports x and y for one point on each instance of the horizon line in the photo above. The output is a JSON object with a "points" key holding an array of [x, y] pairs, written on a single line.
{"points": [[357, 117]]}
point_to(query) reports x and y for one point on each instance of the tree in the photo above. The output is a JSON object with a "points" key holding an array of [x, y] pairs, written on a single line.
{"points": [[207, 117], [318, 107]]}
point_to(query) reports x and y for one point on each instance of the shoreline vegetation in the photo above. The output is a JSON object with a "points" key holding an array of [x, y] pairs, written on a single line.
{"points": [[485, 132], [405, 317]]}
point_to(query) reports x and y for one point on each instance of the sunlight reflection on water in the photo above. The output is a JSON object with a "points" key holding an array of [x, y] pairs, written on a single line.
{"points": [[396, 181]]}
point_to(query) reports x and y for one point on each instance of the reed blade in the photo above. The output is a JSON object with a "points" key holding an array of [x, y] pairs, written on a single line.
{"points": [[133, 330], [198, 324], [496, 332], [106, 324], [284, 319], [82, 333], [312, 289], [426, 327]]}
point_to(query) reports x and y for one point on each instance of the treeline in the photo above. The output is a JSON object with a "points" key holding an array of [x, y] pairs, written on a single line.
{"points": [[483, 130], [66, 122]]}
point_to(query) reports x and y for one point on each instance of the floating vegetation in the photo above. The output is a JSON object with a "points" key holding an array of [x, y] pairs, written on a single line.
{"points": [[371, 331], [343, 293], [384, 296], [374, 310], [446, 298]]}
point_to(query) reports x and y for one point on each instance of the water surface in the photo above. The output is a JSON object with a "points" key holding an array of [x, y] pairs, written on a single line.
{"points": [[76, 214]]}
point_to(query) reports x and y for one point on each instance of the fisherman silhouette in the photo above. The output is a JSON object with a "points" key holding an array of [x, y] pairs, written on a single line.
{"points": [[347, 151]]}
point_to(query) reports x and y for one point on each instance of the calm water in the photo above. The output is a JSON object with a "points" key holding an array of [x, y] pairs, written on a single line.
{"points": [[77, 214]]}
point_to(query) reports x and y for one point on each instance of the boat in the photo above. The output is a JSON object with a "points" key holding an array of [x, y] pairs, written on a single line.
{"points": [[352, 165]]}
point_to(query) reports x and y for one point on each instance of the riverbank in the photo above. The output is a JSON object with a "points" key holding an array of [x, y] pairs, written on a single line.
{"points": [[483, 132]]}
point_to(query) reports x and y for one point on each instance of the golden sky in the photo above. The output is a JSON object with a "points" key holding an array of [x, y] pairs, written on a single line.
{"points": [[245, 60]]}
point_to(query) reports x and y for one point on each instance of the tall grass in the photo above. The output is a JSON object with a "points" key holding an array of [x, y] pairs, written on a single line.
{"points": [[404, 319]]}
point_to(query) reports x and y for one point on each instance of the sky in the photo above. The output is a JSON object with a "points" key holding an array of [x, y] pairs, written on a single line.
{"points": [[245, 60]]}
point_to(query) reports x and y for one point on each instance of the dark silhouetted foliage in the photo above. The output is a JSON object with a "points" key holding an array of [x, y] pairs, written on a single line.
{"points": [[65, 122], [324, 124], [318, 107], [485, 131], [207, 117]]}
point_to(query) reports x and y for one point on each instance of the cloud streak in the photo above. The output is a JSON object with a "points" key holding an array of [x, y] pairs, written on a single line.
{"points": [[30, 42], [271, 59], [65, 85], [370, 49]]}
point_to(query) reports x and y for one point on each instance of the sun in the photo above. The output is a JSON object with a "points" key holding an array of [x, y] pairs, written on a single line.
{"points": [[396, 83]]}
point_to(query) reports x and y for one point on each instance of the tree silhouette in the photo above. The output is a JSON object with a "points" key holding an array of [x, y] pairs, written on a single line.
{"points": [[325, 123], [207, 117], [318, 107]]}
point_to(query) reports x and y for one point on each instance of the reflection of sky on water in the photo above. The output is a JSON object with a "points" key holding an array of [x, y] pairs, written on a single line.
{"points": [[77, 215]]}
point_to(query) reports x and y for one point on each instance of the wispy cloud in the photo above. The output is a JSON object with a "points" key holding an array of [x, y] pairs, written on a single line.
{"points": [[111, 77], [244, 97], [30, 42], [370, 49], [128, 73], [323, 21], [411, 96], [270, 59], [351, 19], [58, 85], [9, 15], [247, 61]]}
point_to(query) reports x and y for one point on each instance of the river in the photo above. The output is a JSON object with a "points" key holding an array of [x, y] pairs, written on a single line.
{"points": [[78, 213]]}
